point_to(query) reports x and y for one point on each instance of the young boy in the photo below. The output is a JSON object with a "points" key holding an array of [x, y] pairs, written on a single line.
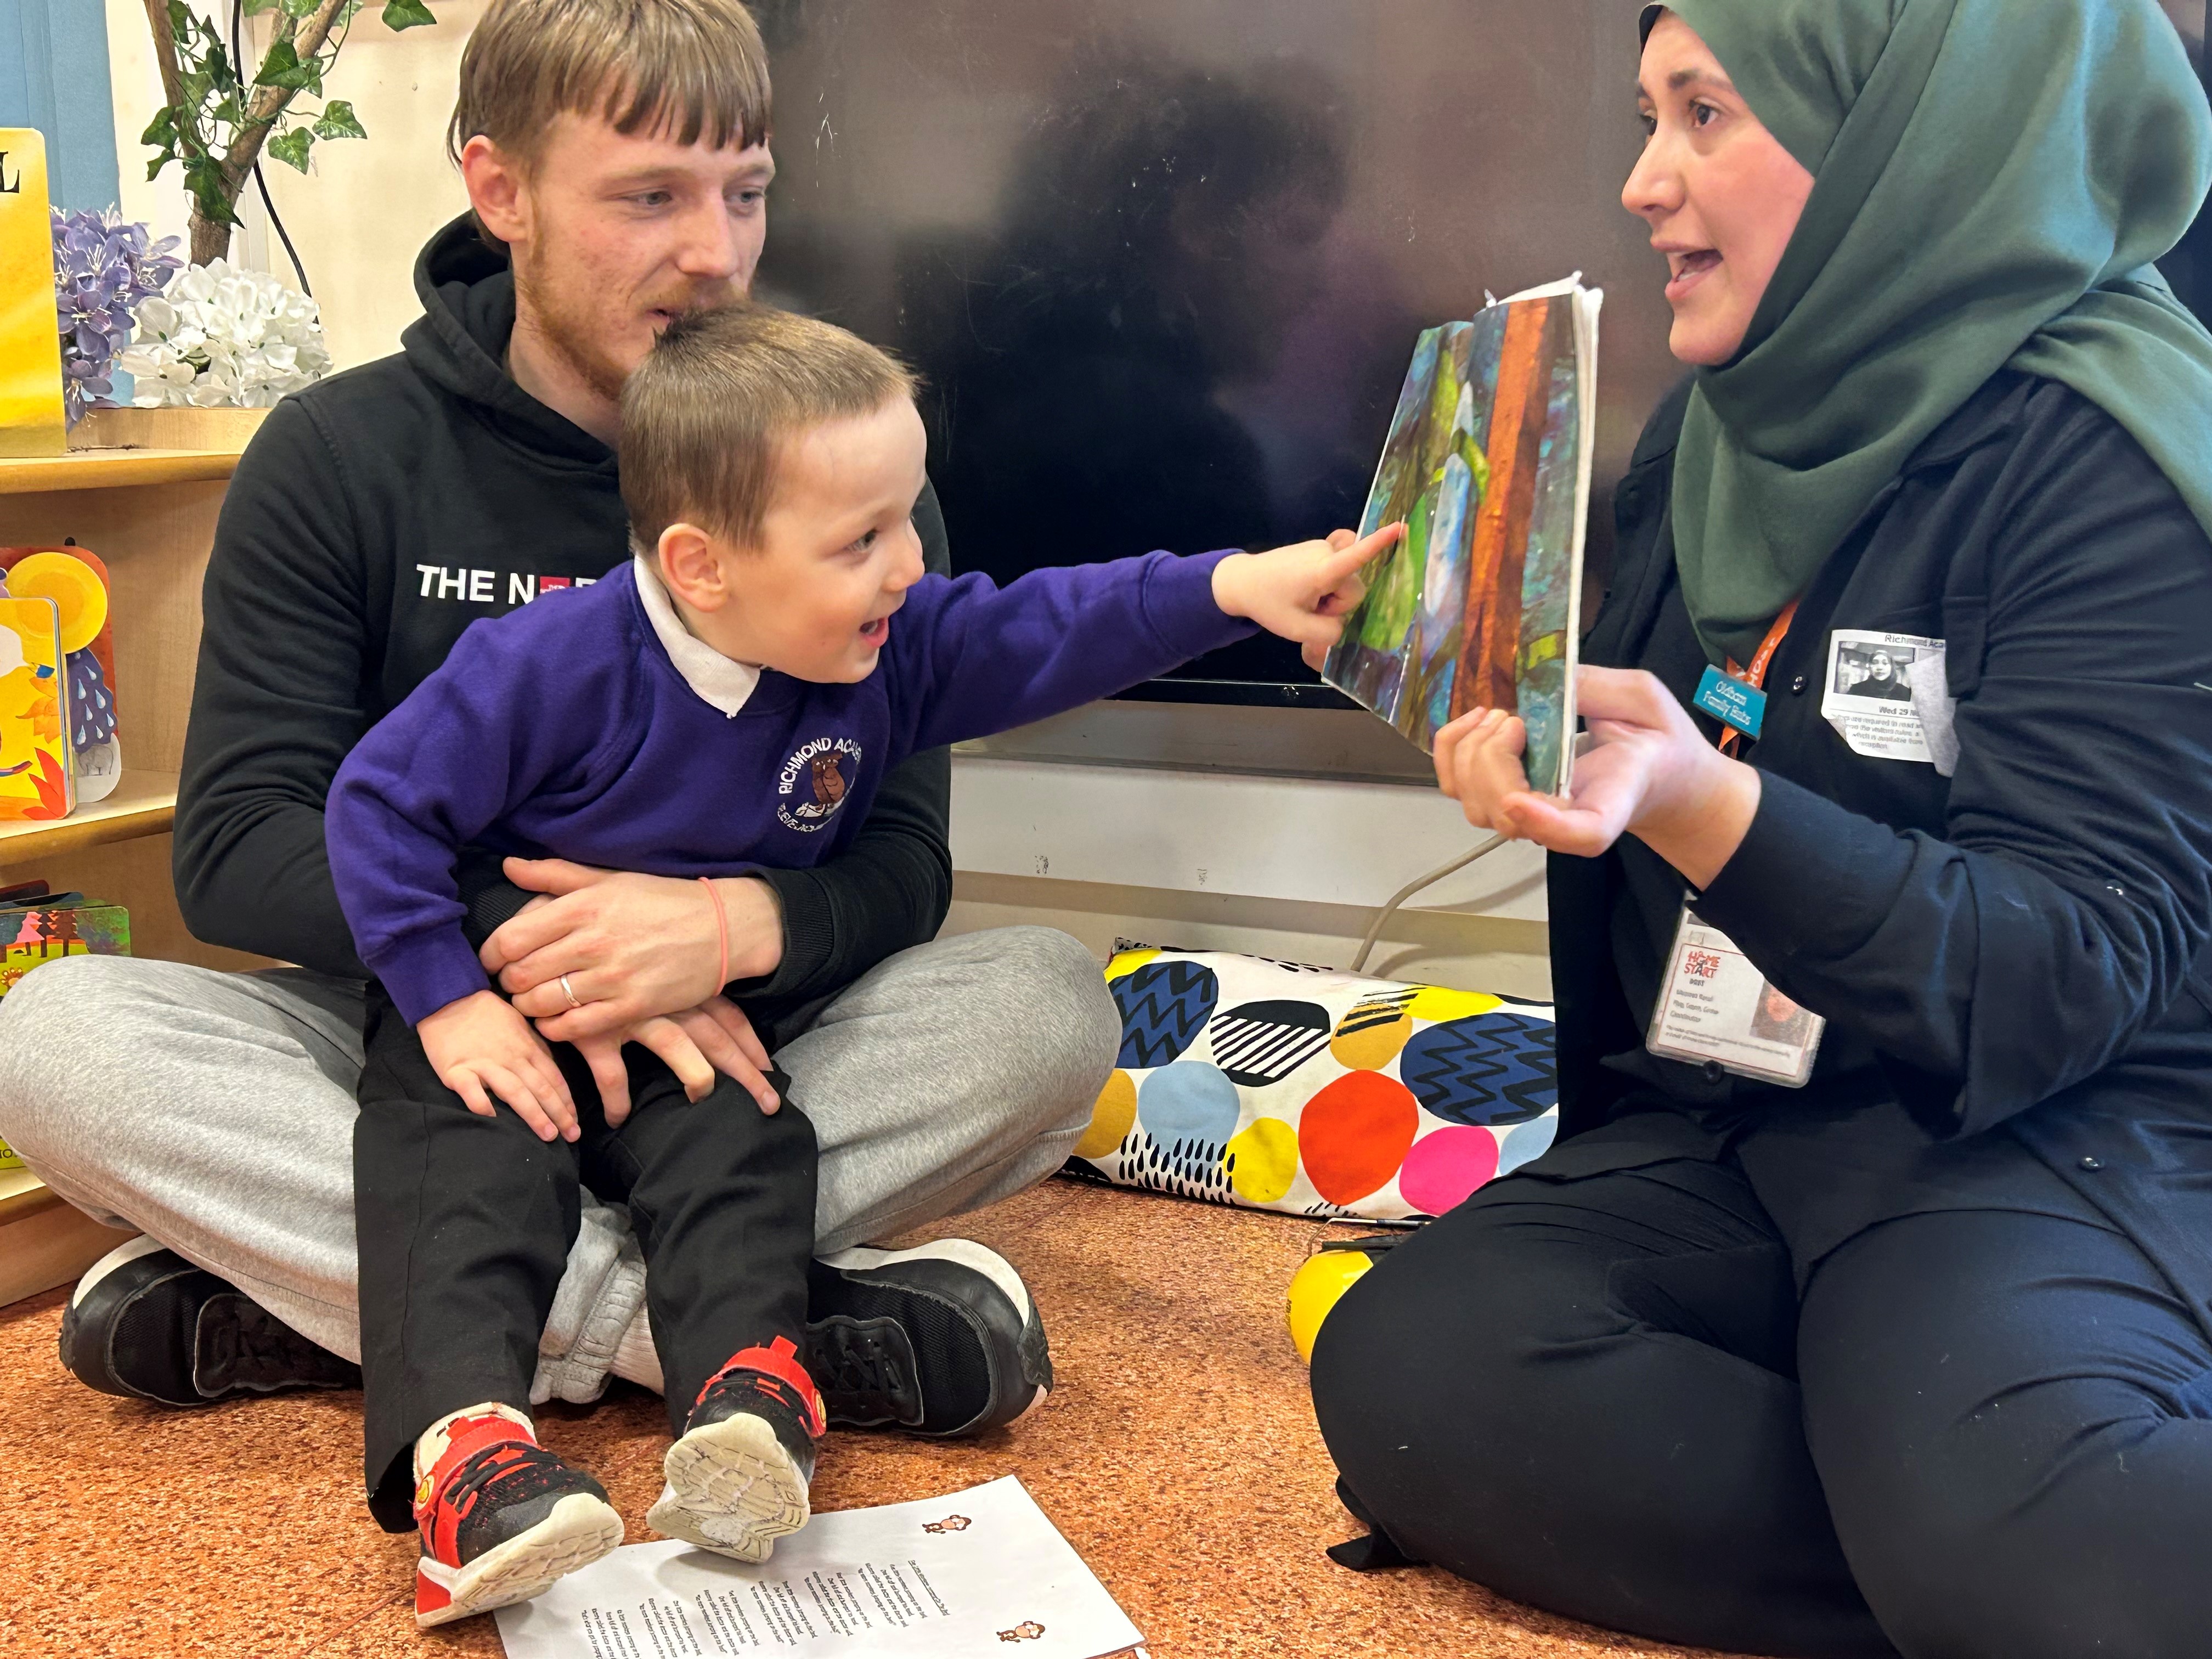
{"points": [[727, 702]]}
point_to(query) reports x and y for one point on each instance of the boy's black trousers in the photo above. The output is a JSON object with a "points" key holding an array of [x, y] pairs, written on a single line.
{"points": [[464, 1225]]}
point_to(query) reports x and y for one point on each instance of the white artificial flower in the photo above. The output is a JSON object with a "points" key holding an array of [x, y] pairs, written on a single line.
{"points": [[219, 336]]}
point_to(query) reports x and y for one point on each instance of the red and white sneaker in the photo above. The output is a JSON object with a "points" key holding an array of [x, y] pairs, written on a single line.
{"points": [[738, 1478], [501, 1519]]}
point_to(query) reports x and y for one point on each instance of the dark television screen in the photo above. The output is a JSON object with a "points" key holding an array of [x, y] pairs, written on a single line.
{"points": [[1162, 262]]}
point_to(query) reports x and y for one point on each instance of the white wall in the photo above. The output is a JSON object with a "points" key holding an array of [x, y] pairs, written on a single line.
{"points": [[1285, 867]]}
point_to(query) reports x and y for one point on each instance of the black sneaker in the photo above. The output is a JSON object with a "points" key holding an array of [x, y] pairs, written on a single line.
{"points": [[146, 1324], [942, 1339], [738, 1479]]}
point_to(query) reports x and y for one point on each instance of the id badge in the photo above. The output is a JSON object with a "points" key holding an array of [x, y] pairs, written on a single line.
{"points": [[1732, 702], [1715, 1006]]}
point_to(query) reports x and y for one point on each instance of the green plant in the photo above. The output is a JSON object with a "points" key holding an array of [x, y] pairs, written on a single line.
{"points": [[216, 123]]}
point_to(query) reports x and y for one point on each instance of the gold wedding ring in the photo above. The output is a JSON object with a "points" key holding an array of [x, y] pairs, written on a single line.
{"points": [[569, 991]]}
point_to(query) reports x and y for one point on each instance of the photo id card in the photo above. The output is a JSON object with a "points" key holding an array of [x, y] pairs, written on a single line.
{"points": [[1868, 697], [1714, 1006]]}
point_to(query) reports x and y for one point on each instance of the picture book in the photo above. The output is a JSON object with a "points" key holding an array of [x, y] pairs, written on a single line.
{"points": [[76, 581], [30, 346], [56, 924], [36, 778], [1488, 463]]}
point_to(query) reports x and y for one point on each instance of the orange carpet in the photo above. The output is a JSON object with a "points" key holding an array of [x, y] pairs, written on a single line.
{"points": [[1179, 1455]]}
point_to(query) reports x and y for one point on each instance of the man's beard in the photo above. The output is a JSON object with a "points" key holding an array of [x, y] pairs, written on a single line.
{"points": [[563, 318]]}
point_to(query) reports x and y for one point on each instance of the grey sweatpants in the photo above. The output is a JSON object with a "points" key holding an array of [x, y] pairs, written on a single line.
{"points": [[215, 1112]]}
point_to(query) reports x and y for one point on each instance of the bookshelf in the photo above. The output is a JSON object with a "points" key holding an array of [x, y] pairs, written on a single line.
{"points": [[146, 503], [143, 803]]}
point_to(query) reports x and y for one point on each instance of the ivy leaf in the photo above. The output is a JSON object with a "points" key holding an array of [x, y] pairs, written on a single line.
{"points": [[283, 68], [219, 72], [337, 120], [296, 8], [162, 131], [180, 20], [229, 111], [204, 179], [292, 147], [407, 15], [255, 8]]}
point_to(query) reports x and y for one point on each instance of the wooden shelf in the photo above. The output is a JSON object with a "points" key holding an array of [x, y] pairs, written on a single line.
{"points": [[143, 803], [23, 1194], [44, 1242], [112, 469]]}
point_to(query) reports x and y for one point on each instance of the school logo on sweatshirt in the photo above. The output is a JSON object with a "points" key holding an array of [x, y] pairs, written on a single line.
{"points": [[815, 781]]}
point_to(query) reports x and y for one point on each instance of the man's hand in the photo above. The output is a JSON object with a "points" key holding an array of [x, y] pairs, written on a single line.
{"points": [[480, 1047], [1302, 591], [696, 1043], [633, 947], [1648, 772]]}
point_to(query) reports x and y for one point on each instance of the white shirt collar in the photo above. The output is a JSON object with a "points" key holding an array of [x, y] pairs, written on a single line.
{"points": [[725, 683]]}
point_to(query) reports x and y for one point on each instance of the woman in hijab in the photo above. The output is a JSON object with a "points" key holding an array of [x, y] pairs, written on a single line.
{"points": [[1915, 1358]]}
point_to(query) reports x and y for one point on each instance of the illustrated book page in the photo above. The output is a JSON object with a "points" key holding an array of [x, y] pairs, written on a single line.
{"points": [[1488, 463]]}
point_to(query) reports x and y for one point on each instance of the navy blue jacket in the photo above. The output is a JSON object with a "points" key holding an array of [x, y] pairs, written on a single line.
{"points": [[2019, 950]]}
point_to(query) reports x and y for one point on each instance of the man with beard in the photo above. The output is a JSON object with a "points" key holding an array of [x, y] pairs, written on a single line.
{"points": [[616, 153]]}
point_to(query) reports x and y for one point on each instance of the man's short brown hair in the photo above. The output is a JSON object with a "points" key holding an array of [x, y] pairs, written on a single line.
{"points": [[703, 417], [685, 69]]}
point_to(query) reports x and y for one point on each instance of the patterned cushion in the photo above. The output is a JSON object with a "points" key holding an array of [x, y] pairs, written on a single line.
{"points": [[1276, 1086]]}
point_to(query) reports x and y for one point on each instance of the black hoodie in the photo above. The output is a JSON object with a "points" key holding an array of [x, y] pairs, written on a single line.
{"points": [[373, 517]]}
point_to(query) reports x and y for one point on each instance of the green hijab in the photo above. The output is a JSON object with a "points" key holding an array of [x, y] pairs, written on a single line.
{"points": [[1992, 180]]}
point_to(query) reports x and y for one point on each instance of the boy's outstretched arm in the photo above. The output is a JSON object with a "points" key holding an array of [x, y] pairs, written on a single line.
{"points": [[1303, 591], [967, 658]]}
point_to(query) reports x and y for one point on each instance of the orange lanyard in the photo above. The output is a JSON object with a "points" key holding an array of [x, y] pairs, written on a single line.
{"points": [[1755, 676]]}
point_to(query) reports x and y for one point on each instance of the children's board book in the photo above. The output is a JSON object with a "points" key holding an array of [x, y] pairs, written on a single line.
{"points": [[74, 577], [36, 931], [1488, 463], [30, 346], [36, 779]]}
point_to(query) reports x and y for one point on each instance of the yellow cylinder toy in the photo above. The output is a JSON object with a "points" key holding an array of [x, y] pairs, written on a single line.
{"points": [[1315, 1288]]}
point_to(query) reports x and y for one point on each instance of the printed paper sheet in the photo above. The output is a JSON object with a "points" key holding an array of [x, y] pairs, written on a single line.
{"points": [[982, 1571]]}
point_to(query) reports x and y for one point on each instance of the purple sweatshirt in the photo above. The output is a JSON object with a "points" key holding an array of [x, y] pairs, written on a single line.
{"points": [[564, 730]]}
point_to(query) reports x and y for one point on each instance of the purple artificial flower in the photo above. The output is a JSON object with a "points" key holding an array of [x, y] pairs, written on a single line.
{"points": [[103, 267]]}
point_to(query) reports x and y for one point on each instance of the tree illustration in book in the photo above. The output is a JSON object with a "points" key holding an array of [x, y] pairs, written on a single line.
{"points": [[1488, 463]]}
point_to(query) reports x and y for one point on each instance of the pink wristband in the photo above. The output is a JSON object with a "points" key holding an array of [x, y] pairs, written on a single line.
{"points": [[721, 933]]}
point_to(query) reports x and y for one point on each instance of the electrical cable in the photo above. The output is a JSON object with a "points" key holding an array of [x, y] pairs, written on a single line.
{"points": [[1384, 916], [277, 225], [238, 63]]}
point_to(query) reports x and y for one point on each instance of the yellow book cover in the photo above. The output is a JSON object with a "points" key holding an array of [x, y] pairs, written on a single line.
{"points": [[35, 780], [31, 421]]}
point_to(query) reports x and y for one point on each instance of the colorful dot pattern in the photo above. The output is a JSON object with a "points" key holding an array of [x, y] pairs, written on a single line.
{"points": [[1246, 1081]]}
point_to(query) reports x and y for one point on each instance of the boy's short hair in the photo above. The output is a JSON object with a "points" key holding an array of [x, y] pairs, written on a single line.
{"points": [[687, 69], [704, 415]]}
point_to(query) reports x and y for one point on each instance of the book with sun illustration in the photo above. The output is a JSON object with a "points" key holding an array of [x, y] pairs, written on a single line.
{"points": [[36, 778], [1488, 462]]}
